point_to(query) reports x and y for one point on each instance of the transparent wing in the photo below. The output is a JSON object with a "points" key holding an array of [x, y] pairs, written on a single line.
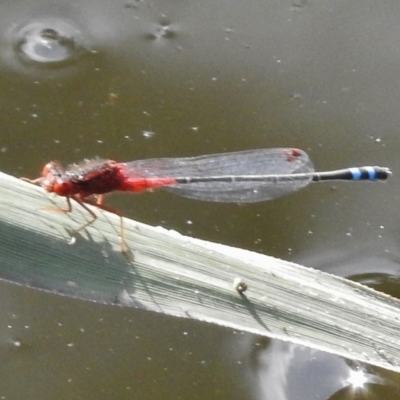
{"points": [[273, 164]]}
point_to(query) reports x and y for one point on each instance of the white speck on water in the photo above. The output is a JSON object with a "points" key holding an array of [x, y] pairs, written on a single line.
{"points": [[148, 134]]}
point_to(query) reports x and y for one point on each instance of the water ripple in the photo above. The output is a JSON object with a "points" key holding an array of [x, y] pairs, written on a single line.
{"points": [[48, 42]]}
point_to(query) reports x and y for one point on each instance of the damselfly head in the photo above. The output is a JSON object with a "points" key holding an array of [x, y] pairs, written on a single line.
{"points": [[54, 180]]}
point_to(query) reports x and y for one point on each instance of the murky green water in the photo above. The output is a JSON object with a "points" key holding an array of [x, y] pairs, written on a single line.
{"points": [[139, 79]]}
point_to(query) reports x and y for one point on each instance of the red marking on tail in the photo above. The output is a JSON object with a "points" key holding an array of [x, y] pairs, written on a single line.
{"points": [[292, 154]]}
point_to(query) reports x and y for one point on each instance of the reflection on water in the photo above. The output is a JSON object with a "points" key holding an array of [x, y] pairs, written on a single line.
{"points": [[363, 265], [47, 41], [43, 42], [163, 30], [286, 371], [183, 79]]}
